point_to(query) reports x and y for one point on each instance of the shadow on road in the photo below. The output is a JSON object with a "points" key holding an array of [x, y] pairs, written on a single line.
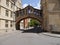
{"points": [[33, 30]]}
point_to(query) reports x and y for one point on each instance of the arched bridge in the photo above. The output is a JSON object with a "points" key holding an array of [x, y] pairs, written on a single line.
{"points": [[28, 12]]}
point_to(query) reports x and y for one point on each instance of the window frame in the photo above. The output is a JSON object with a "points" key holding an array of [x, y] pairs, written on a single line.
{"points": [[7, 12], [6, 23], [11, 23], [7, 2]]}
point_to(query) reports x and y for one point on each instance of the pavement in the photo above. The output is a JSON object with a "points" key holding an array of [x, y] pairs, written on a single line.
{"points": [[44, 33], [18, 38], [51, 34], [3, 33]]}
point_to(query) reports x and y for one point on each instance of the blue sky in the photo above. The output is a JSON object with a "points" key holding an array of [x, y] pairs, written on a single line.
{"points": [[34, 3]]}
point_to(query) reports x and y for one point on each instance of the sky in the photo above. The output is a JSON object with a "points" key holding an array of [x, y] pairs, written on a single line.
{"points": [[34, 3]]}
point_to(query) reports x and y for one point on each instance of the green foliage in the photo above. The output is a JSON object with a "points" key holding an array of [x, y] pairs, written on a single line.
{"points": [[33, 22]]}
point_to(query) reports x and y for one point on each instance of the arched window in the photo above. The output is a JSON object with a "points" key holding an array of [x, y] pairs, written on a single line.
{"points": [[29, 11]]}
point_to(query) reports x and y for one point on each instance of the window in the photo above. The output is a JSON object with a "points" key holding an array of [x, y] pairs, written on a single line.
{"points": [[21, 12], [7, 12], [7, 2], [17, 8], [11, 24], [12, 5], [11, 14], [6, 23], [29, 11], [34, 12], [51, 6]]}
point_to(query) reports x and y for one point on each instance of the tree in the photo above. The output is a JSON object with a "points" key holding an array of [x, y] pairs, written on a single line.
{"points": [[33, 22]]}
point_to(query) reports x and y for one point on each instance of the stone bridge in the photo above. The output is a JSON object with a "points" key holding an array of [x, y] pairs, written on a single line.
{"points": [[28, 12]]}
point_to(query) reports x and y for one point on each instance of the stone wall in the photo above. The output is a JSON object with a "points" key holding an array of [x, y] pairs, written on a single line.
{"points": [[51, 12]]}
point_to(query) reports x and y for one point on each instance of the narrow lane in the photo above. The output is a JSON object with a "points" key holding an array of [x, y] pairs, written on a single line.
{"points": [[19, 38]]}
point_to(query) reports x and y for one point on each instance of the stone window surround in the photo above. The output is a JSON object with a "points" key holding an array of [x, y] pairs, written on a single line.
{"points": [[7, 12], [11, 14], [6, 23], [11, 23], [7, 2]]}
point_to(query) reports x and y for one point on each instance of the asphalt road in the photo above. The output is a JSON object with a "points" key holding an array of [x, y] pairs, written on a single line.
{"points": [[18, 38]]}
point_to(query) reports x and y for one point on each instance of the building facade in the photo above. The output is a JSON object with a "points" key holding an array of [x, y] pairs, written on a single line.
{"points": [[51, 13], [24, 24], [7, 15]]}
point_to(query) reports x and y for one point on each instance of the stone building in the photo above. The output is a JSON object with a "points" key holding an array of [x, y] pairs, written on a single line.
{"points": [[7, 15], [51, 15]]}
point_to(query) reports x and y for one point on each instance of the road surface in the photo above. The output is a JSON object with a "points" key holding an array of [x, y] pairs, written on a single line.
{"points": [[18, 38]]}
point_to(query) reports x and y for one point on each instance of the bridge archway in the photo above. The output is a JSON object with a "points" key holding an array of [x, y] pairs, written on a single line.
{"points": [[28, 12], [18, 23]]}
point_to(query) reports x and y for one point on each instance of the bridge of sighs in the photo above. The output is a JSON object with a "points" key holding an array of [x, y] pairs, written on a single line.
{"points": [[28, 12]]}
